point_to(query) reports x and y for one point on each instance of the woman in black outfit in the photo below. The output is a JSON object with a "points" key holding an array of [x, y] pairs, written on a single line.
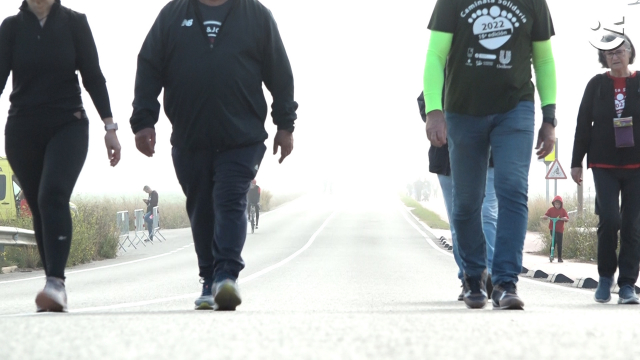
{"points": [[47, 131], [608, 132]]}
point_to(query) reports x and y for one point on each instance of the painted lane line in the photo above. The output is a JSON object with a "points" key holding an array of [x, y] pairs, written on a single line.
{"points": [[446, 252], [193, 295], [292, 256], [96, 268]]}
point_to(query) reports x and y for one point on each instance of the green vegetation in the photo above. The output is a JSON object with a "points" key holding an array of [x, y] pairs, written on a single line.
{"points": [[95, 236], [429, 217], [580, 239]]}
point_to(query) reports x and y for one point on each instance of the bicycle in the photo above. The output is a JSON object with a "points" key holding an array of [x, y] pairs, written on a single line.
{"points": [[252, 217]]}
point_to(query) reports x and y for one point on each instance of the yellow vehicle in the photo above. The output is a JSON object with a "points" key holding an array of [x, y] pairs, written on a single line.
{"points": [[12, 202]]}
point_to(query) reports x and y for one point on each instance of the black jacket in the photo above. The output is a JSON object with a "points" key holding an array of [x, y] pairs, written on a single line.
{"points": [[594, 130], [44, 61], [213, 93], [152, 201], [438, 156]]}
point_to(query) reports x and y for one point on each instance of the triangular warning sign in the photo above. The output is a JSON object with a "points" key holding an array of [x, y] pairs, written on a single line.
{"points": [[556, 172]]}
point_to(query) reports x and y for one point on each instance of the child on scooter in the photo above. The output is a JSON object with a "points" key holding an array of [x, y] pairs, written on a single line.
{"points": [[557, 211]]}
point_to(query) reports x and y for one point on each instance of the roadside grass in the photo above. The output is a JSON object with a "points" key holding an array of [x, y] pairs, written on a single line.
{"points": [[95, 235], [580, 239], [429, 217]]}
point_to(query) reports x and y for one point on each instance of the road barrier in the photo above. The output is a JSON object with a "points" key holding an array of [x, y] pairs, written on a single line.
{"points": [[11, 236], [156, 225], [122, 221], [141, 234]]}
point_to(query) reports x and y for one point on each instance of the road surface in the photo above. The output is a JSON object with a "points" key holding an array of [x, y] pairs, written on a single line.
{"points": [[326, 278]]}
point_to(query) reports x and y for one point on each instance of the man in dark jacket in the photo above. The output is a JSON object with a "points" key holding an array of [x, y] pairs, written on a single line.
{"points": [[151, 202], [211, 57], [253, 198]]}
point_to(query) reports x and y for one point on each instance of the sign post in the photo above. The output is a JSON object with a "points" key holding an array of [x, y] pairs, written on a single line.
{"points": [[547, 161]]}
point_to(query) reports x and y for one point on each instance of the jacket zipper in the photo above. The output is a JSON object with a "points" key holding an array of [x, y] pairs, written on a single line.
{"points": [[200, 20]]}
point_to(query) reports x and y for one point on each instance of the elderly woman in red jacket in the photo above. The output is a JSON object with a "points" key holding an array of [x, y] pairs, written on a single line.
{"points": [[608, 132]]}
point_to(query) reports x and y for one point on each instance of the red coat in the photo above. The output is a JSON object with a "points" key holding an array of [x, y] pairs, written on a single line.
{"points": [[557, 213]]}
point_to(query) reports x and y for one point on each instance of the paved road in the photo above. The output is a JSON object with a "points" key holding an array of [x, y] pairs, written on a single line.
{"points": [[326, 278]]}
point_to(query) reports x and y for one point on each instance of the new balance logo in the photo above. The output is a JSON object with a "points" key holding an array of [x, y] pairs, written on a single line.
{"points": [[187, 22]]}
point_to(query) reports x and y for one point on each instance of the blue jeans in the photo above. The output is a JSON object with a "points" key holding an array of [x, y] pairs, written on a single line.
{"points": [[149, 221], [509, 136], [489, 217]]}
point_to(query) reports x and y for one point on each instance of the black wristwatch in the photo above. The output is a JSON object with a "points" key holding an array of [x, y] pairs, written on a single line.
{"points": [[553, 121]]}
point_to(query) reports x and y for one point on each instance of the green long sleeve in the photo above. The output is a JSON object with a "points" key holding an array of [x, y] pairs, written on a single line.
{"points": [[545, 68], [437, 52]]}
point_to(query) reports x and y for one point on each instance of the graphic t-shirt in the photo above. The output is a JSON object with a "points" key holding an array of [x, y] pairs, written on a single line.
{"points": [[213, 17], [620, 92], [489, 65], [557, 213]]}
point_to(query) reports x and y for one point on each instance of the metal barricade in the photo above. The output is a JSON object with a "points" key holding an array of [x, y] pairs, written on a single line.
{"points": [[141, 234], [156, 225], [122, 221]]}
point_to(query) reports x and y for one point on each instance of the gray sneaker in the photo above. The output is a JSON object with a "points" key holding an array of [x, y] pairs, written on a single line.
{"points": [[53, 298], [205, 301], [628, 295], [227, 296]]}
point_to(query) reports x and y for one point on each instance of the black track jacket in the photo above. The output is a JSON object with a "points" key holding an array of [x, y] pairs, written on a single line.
{"points": [[213, 93]]}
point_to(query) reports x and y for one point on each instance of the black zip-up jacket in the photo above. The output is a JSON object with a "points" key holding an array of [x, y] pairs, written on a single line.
{"points": [[213, 93], [594, 131], [44, 61]]}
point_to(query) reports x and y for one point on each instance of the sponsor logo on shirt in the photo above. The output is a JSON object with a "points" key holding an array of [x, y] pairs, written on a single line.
{"points": [[505, 59], [187, 23]]}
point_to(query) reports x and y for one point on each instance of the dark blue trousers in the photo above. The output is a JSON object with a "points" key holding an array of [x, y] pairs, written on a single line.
{"points": [[216, 184]]}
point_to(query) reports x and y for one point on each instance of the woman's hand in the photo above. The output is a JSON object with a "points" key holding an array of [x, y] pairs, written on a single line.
{"points": [[576, 175], [113, 147]]}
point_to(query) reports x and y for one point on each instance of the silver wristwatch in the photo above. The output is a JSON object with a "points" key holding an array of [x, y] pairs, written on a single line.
{"points": [[113, 126]]}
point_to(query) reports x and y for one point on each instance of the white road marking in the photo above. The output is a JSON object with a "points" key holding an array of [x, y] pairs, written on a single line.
{"points": [[446, 252], [193, 295], [100, 267]]}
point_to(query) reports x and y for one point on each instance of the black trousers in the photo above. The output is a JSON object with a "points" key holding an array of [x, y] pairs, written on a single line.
{"points": [[216, 184], [257, 206], [47, 162], [558, 242], [610, 184]]}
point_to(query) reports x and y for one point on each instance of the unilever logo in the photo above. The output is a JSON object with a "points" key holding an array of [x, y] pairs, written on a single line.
{"points": [[616, 28]]}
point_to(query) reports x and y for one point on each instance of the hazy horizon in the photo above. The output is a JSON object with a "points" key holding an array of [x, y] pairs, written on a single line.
{"points": [[358, 71]]}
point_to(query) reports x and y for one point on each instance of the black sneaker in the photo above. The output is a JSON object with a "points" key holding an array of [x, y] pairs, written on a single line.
{"points": [[505, 297], [227, 295], [476, 295], [53, 298], [464, 290], [205, 301]]}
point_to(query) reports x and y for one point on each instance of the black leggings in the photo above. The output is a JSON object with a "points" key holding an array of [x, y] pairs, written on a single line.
{"points": [[47, 162], [558, 242]]}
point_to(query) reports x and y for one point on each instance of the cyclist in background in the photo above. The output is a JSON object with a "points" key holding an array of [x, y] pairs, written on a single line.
{"points": [[253, 198]]}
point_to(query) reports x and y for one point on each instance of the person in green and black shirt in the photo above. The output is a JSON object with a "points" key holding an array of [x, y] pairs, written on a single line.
{"points": [[488, 47]]}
